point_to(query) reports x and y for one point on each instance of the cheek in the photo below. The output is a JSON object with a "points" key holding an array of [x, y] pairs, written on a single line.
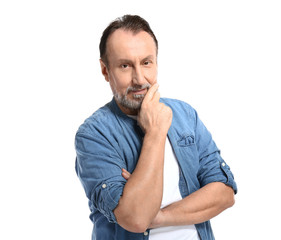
{"points": [[119, 82], [151, 76]]}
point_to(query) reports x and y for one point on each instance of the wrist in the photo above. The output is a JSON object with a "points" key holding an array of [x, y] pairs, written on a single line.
{"points": [[155, 137], [156, 133]]}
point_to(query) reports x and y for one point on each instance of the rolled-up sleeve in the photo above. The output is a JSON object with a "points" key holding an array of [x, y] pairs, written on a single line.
{"points": [[99, 168], [212, 167]]}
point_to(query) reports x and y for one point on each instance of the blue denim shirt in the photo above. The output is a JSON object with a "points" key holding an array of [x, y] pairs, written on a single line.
{"points": [[109, 141]]}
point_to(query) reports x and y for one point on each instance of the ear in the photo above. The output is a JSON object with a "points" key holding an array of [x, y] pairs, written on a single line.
{"points": [[104, 70]]}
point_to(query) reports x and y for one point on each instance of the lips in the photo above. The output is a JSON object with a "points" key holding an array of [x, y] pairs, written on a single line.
{"points": [[140, 91]]}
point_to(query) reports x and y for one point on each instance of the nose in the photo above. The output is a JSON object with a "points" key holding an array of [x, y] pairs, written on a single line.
{"points": [[138, 76]]}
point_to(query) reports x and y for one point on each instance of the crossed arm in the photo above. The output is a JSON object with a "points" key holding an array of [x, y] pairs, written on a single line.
{"points": [[139, 206], [198, 207]]}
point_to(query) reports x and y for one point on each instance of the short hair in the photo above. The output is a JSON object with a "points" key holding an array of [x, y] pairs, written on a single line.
{"points": [[132, 23]]}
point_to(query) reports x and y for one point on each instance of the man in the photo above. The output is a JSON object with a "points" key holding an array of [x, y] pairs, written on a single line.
{"points": [[149, 167]]}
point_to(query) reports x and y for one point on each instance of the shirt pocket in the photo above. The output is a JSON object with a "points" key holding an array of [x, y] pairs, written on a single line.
{"points": [[187, 148], [188, 158], [186, 140]]}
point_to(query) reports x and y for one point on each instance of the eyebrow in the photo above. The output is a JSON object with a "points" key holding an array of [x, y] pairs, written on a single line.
{"points": [[124, 60], [148, 57]]}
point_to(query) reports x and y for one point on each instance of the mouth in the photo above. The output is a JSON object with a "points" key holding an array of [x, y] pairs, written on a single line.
{"points": [[139, 91]]}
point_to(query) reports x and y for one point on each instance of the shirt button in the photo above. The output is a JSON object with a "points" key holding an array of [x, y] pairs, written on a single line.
{"points": [[223, 164], [104, 185], [145, 233]]}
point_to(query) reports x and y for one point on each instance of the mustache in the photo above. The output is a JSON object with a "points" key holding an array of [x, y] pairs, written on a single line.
{"points": [[138, 87]]}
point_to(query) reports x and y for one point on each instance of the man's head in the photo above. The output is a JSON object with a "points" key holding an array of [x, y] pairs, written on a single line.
{"points": [[128, 51], [132, 23]]}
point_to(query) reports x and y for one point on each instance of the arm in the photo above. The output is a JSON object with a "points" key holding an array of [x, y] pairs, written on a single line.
{"points": [[142, 194], [217, 186], [198, 207], [216, 181]]}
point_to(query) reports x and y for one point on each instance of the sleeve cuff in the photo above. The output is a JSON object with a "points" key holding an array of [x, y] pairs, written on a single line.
{"points": [[106, 198]]}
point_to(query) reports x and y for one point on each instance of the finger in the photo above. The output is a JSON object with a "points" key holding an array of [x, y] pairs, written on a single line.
{"points": [[125, 174], [124, 170], [151, 92], [156, 96]]}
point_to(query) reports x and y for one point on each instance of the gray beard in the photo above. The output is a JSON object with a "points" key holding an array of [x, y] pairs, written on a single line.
{"points": [[134, 104]]}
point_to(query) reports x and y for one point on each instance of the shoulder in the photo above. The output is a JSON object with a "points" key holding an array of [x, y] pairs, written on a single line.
{"points": [[178, 106], [184, 115], [99, 119]]}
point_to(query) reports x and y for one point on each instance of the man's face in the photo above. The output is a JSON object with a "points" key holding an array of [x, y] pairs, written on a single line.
{"points": [[132, 68]]}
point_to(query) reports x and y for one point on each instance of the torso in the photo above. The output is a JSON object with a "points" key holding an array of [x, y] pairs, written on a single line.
{"points": [[171, 193]]}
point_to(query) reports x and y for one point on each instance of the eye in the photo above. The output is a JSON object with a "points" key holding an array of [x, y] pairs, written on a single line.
{"points": [[124, 66], [146, 63]]}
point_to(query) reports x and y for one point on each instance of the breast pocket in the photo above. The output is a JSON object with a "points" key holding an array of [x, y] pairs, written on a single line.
{"points": [[186, 140], [188, 151], [188, 159]]}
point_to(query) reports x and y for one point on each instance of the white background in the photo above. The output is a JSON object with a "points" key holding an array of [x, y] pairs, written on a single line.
{"points": [[223, 57]]}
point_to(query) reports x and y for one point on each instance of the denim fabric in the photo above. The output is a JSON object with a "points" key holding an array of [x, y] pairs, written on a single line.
{"points": [[109, 141]]}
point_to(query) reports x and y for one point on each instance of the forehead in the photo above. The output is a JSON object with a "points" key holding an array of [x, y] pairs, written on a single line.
{"points": [[126, 44]]}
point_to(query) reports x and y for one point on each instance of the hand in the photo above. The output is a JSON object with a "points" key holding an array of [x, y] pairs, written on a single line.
{"points": [[154, 116], [159, 217]]}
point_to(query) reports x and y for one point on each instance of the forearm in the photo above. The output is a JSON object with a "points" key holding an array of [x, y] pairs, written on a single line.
{"points": [[198, 207], [143, 192]]}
